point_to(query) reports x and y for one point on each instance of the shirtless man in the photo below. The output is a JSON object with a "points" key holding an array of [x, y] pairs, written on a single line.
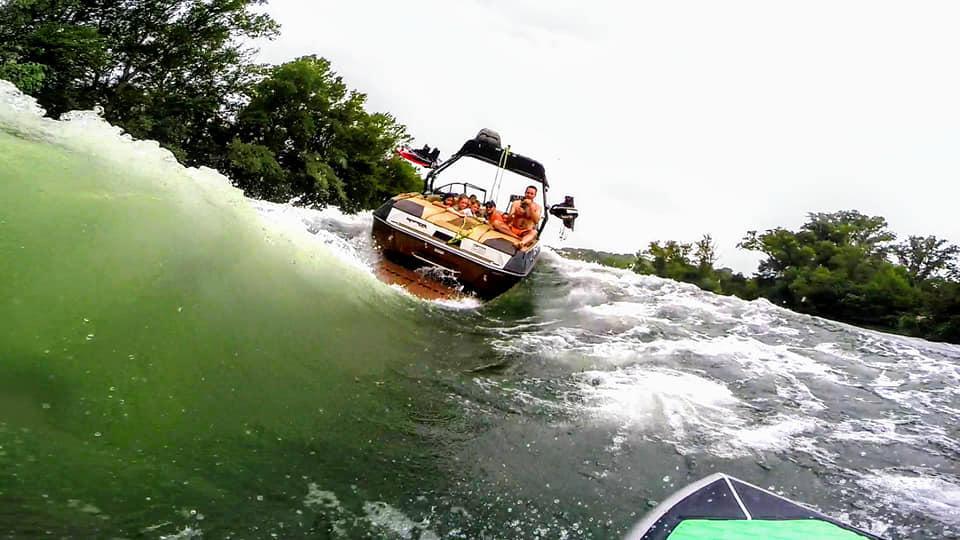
{"points": [[524, 217]]}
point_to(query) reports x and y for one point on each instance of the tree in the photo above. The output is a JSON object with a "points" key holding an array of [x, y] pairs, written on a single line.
{"points": [[169, 70], [705, 253], [27, 77], [835, 265], [784, 250], [305, 133], [50, 50], [927, 257], [670, 258], [641, 264], [850, 227], [834, 240]]}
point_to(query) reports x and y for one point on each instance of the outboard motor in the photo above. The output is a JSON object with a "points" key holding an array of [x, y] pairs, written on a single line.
{"points": [[566, 211]]}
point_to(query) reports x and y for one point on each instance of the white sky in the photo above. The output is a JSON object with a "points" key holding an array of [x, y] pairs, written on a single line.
{"points": [[668, 120]]}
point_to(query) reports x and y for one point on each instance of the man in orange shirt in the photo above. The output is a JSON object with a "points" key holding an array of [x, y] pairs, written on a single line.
{"points": [[495, 218]]}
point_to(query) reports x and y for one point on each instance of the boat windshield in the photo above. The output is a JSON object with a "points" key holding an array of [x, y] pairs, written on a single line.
{"points": [[461, 188]]}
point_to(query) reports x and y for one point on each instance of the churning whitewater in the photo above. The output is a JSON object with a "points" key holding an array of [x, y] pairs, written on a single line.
{"points": [[179, 361]]}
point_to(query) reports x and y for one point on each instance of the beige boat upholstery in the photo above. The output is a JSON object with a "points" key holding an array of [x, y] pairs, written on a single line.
{"points": [[472, 228]]}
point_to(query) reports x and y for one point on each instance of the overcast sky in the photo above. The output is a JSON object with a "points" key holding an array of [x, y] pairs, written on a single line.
{"points": [[668, 120]]}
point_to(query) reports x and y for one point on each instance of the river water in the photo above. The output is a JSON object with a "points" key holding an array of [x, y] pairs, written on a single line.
{"points": [[178, 361]]}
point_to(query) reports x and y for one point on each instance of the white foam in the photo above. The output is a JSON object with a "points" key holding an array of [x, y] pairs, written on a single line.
{"points": [[461, 303], [17, 102], [327, 501], [656, 400], [184, 534], [320, 498], [298, 221], [936, 497], [874, 431], [388, 518], [694, 413]]}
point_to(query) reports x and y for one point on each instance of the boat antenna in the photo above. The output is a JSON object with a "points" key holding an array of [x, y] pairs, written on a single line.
{"points": [[498, 177]]}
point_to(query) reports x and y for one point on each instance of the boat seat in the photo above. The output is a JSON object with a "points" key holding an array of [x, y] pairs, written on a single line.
{"points": [[475, 229], [478, 232], [449, 220], [431, 210], [489, 236], [417, 206]]}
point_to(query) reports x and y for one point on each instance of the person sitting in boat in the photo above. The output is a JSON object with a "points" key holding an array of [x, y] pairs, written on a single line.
{"points": [[450, 200], [463, 206], [524, 217], [475, 208], [495, 218], [482, 214]]}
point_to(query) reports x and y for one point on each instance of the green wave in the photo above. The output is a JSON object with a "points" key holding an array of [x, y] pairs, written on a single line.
{"points": [[162, 350]]}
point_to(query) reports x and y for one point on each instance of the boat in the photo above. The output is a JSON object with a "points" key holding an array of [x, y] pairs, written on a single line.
{"points": [[434, 251], [723, 507]]}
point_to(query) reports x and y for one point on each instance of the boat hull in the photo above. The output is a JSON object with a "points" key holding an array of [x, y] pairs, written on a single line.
{"points": [[414, 251]]}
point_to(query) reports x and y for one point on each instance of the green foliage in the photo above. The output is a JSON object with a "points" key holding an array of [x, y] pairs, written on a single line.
{"points": [[850, 228], [670, 259], [643, 265], [939, 316], [692, 263], [55, 40], [705, 253], [259, 164], [27, 77], [736, 284], [834, 266], [310, 136], [161, 69], [927, 257], [783, 249]]}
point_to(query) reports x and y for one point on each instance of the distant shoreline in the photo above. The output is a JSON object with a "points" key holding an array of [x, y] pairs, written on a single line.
{"points": [[850, 280]]}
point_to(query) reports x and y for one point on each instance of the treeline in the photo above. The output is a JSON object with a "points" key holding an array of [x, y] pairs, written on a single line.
{"points": [[178, 72], [844, 265], [617, 260]]}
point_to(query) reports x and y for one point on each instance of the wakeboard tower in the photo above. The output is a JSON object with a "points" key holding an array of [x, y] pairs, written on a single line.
{"points": [[436, 252], [723, 507]]}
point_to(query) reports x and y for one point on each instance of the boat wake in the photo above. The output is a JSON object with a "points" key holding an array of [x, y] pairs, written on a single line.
{"points": [[636, 362]]}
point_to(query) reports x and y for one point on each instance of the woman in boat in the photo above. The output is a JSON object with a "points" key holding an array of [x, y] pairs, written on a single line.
{"points": [[463, 206]]}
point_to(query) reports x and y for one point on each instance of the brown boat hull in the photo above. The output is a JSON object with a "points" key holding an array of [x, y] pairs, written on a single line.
{"points": [[416, 283], [411, 252]]}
